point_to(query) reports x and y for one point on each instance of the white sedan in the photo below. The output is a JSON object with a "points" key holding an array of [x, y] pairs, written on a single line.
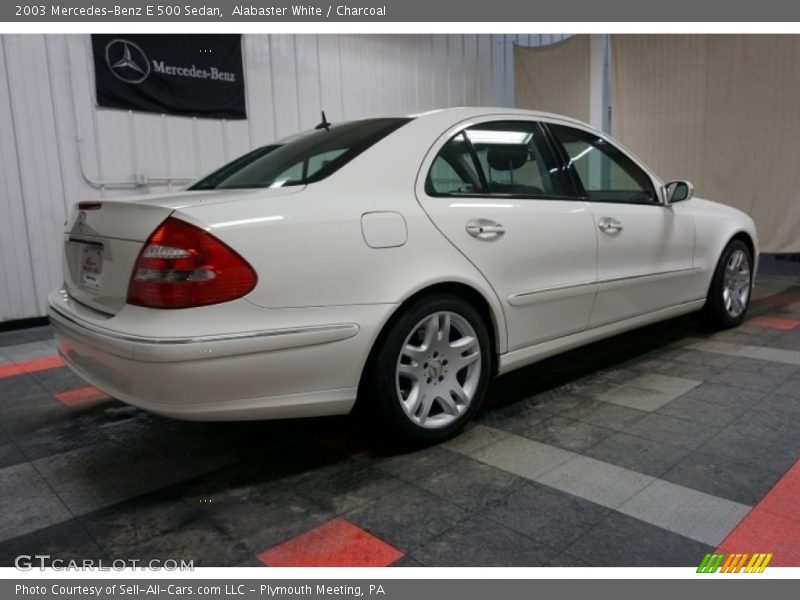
{"points": [[400, 262]]}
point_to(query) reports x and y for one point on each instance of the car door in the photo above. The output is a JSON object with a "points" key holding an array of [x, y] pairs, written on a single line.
{"points": [[644, 247], [497, 192]]}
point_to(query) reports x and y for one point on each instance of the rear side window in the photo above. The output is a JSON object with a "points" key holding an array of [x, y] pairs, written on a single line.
{"points": [[304, 159], [606, 173], [453, 171], [509, 158]]}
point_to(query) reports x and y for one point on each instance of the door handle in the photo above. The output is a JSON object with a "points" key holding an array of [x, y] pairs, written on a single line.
{"points": [[484, 229], [609, 225]]}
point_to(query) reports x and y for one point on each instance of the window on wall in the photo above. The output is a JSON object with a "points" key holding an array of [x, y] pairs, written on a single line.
{"points": [[607, 175], [497, 159]]}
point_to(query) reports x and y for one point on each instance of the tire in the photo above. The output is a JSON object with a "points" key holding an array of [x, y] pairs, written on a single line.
{"points": [[729, 294], [424, 384]]}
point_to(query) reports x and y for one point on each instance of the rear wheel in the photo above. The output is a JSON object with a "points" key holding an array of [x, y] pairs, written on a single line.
{"points": [[729, 294], [431, 371]]}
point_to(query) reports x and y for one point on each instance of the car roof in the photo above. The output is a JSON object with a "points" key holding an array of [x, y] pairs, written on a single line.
{"points": [[466, 112]]}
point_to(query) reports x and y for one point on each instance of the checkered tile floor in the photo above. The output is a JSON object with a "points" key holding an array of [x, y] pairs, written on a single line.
{"points": [[651, 448]]}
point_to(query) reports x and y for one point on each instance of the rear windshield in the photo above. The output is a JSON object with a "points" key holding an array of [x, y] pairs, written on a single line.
{"points": [[304, 159]]}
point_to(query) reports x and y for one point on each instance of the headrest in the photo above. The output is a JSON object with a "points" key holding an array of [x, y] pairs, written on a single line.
{"points": [[507, 157]]}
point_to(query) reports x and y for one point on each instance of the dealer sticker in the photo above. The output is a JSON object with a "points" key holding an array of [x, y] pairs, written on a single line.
{"points": [[91, 266]]}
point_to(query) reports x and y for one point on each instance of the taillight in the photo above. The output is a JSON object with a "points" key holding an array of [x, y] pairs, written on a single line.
{"points": [[182, 266]]}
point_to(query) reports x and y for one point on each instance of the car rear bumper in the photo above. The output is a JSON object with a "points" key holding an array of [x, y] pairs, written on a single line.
{"points": [[296, 363]]}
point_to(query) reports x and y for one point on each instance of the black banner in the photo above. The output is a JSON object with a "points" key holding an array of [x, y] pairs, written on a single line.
{"points": [[192, 75]]}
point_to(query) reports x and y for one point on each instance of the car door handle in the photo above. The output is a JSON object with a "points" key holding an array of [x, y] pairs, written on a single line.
{"points": [[484, 229], [609, 225]]}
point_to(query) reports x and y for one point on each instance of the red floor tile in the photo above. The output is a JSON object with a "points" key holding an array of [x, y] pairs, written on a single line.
{"points": [[773, 525], [31, 366], [776, 323], [81, 396], [337, 543]]}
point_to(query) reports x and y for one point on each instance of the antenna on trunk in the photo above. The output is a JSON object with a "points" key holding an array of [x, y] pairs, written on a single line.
{"points": [[324, 124]]}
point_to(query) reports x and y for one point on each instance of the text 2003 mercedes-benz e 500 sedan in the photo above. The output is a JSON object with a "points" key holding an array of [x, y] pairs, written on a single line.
{"points": [[400, 261]]}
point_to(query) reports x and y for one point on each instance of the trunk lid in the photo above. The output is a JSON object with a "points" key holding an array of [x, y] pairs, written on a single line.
{"points": [[103, 241]]}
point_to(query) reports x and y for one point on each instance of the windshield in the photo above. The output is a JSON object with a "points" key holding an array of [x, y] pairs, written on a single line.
{"points": [[301, 160]]}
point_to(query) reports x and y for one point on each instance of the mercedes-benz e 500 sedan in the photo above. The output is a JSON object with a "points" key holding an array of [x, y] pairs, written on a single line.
{"points": [[398, 261]]}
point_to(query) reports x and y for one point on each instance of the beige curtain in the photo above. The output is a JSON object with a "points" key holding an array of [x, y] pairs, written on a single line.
{"points": [[722, 111], [554, 78]]}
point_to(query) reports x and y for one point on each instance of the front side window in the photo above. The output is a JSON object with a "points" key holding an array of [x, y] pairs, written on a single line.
{"points": [[607, 175], [302, 159], [508, 158]]}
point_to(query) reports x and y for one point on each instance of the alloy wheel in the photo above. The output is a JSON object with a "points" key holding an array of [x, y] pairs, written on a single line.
{"points": [[438, 370], [736, 283]]}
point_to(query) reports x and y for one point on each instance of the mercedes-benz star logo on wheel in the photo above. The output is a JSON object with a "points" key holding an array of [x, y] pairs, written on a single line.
{"points": [[127, 61]]}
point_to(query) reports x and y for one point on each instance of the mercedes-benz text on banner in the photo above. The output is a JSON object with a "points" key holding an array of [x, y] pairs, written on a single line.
{"points": [[192, 75]]}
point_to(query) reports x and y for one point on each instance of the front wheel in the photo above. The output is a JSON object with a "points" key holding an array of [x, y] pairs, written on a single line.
{"points": [[729, 294], [431, 371]]}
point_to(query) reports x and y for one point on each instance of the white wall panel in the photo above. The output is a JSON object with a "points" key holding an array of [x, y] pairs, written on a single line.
{"points": [[58, 148]]}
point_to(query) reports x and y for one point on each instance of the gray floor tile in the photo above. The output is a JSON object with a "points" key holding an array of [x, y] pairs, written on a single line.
{"points": [[697, 372], [696, 515], [407, 561], [790, 387], [551, 517], [727, 395], [596, 481], [566, 561], [664, 383], [740, 482], [16, 390], [476, 437], [637, 454], [783, 403], [345, 485], [765, 424], [567, 434], [478, 542], [410, 466], [470, 484], [104, 474], [772, 455], [604, 414], [672, 431], [523, 457], [563, 404], [744, 380], [766, 367], [136, 521], [634, 397], [28, 351], [58, 380], [622, 541], [512, 417], [710, 359], [260, 521], [28, 502], [701, 411], [407, 519], [201, 541], [64, 541], [789, 357], [25, 336], [10, 455]]}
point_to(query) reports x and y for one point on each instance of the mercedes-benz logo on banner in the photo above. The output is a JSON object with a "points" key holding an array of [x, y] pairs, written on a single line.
{"points": [[127, 61]]}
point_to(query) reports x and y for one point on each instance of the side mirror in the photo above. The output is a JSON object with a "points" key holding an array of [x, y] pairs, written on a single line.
{"points": [[678, 191]]}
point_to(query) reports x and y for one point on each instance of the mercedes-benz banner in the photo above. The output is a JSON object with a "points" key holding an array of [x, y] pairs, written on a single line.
{"points": [[193, 75]]}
